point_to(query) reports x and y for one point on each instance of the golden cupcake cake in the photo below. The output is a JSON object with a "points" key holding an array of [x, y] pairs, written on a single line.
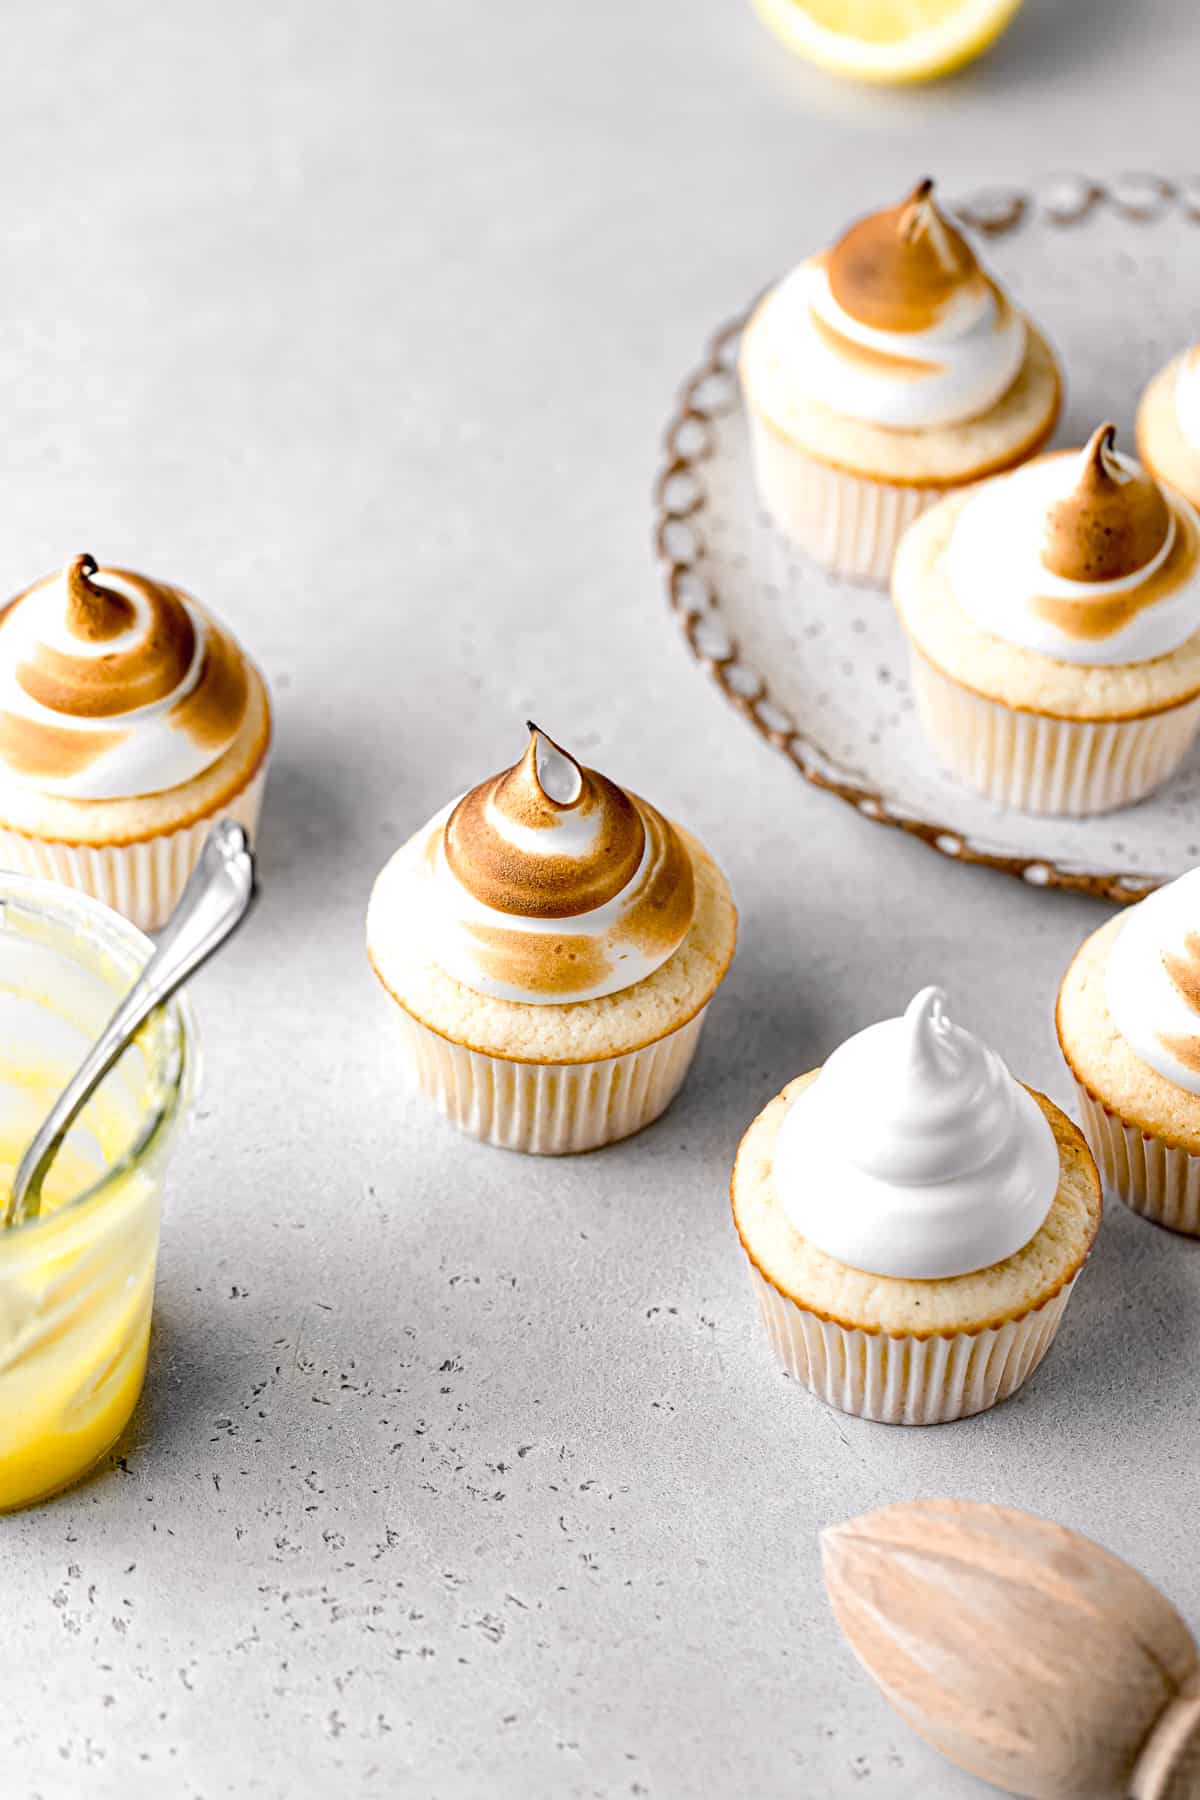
{"points": [[883, 373], [915, 1221], [130, 721], [1168, 424], [1053, 619], [1129, 1027], [551, 944]]}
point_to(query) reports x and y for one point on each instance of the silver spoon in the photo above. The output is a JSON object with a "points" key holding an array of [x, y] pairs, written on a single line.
{"points": [[218, 896]]}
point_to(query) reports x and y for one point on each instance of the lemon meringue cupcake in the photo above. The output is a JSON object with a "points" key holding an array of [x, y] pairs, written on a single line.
{"points": [[551, 944], [1053, 618], [1129, 1027], [1168, 424], [129, 722], [882, 373], [915, 1222]]}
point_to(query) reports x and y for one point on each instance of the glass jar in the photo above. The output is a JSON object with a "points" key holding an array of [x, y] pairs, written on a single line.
{"points": [[77, 1281]]}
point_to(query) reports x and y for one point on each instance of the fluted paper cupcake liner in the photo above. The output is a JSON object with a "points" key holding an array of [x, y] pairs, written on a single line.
{"points": [[143, 880], [1038, 764], [848, 523], [907, 1380], [548, 1109], [1158, 1180]]}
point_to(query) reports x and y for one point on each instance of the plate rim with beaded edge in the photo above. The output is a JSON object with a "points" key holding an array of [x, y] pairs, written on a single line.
{"points": [[713, 554]]}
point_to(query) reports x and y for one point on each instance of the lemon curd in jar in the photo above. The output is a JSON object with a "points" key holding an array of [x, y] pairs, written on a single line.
{"points": [[77, 1280]]}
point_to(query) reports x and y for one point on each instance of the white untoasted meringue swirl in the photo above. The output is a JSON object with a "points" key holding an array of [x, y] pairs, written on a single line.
{"points": [[1187, 396], [64, 727], [995, 567], [1153, 965], [548, 884], [914, 1154], [969, 358]]}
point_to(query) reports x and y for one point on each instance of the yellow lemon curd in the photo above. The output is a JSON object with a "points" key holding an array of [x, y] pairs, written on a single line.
{"points": [[76, 1290], [77, 1279]]}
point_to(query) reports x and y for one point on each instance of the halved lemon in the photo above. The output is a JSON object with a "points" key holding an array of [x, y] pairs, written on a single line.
{"points": [[888, 40]]}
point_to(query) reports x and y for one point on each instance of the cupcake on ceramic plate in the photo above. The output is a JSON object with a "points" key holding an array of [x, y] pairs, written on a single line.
{"points": [[1168, 424], [883, 373], [1129, 1027], [551, 944], [915, 1222], [130, 722], [1053, 618]]}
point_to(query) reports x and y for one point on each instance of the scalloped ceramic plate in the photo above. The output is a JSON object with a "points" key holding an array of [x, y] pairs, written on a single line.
{"points": [[1109, 273]]}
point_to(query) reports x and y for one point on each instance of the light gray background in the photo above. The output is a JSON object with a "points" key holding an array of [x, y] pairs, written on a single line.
{"points": [[459, 1474]]}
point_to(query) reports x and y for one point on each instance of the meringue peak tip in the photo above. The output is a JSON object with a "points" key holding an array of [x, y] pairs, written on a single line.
{"points": [[1111, 518], [539, 735], [927, 1026], [928, 1003], [82, 592], [1099, 453], [93, 612], [916, 208], [90, 607], [921, 222], [558, 776]]}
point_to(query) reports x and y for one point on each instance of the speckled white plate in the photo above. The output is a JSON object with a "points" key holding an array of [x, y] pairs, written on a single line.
{"points": [[818, 665]]}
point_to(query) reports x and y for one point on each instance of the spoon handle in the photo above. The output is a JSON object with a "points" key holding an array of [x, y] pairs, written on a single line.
{"points": [[218, 896]]}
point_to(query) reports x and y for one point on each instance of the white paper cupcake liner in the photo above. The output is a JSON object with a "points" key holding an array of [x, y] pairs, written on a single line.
{"points": [[846, 522], [1155, 1179], [907, 1380], [143, 880], [1038, 764], [548, 1109]]}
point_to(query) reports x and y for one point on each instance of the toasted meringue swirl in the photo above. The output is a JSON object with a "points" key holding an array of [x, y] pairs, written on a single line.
{"points": [[1080, 556], [915, 1154], [113, 686], [548, 883], [899, 269], [897, 325], [1111, 522], [1152, 980]]}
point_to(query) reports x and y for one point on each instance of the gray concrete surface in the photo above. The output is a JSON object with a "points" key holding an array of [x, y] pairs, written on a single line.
{"points": [[459, 1475]]}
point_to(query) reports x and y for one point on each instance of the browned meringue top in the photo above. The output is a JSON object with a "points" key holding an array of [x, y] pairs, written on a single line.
{"points": [[1114, 521], [154, 664], [898, 269], [94, 612], [546, 884], [551, 883], [1079, 555], [113, 685]]}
